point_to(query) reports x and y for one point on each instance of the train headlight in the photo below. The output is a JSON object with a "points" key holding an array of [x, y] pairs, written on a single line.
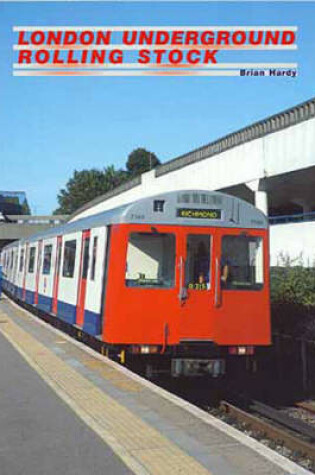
{"points": [[145, 349], [241, 350]]}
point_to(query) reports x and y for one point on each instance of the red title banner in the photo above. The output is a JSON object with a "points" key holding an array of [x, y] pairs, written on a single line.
{"points": [[146, 50]]}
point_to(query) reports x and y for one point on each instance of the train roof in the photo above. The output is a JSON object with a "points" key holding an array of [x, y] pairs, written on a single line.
{"points": [[183, 208]]}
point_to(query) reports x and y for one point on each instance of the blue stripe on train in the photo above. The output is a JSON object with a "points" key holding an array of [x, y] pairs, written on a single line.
{"points": [[44, 303], [29, 297], [66, 312], [15, 290], [19, 293], [92, 323]]}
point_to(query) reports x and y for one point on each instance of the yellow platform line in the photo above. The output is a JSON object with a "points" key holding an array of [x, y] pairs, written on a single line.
{"points": [[142, 448]]}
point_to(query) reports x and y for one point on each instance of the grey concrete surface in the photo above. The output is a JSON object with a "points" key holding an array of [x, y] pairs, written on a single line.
{"points": [[39, 433]]}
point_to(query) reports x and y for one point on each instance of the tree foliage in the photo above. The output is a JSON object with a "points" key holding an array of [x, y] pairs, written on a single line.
{"points": [[293, 298], [85, 185], [140, 161]]}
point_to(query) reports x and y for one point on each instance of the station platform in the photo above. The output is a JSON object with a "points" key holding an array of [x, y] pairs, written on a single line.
{"points": [[66, 409]]}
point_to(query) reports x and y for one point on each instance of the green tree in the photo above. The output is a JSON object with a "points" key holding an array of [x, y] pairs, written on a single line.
{"points": [[293, 297], [140, 161], [85, 185]]}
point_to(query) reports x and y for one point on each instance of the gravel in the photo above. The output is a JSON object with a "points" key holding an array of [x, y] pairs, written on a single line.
{"points": [[305, 462]]}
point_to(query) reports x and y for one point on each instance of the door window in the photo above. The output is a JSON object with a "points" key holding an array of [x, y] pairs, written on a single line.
{"points": [[197, 275], [94, 252], [31, 261], [47, 259], [85, 258], [58, 258], [69, 258], [21, 265], [242, 262], [150, 260]]}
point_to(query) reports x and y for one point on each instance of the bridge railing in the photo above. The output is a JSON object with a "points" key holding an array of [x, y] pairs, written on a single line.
{"points": [[292, 218], [42, 219]]}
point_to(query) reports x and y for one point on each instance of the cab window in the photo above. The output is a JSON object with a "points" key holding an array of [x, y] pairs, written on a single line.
{"points": [[150, 260], [242, 262], [197, 275]]}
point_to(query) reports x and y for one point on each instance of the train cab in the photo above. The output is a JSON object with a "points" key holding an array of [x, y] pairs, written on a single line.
{"points": [[188, 273]]}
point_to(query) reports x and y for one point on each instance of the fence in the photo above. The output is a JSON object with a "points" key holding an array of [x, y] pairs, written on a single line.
{"points": [[291, 363]]}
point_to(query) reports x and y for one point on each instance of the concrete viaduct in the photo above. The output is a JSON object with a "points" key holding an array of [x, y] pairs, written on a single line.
{"points": [[270, 163]]}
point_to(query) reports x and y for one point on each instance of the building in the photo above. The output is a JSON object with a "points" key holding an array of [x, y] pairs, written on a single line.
{"points": [[13, 202], [16, 221]]}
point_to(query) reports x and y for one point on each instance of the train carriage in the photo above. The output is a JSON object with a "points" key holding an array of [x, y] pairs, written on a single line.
{"points": [[181, 278]]}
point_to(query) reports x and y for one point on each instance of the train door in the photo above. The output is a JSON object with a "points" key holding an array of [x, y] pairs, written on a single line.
{"points": [[56, 276], [197, 283], [242, 305], [39, 256], [26, 259], [224, 286], [84, 265], [15, 269]]}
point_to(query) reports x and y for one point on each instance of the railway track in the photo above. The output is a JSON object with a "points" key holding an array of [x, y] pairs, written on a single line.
{"points": [[309, 407], [295, 434]]}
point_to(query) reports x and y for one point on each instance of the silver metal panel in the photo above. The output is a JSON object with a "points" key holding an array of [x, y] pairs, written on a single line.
{"points": [[235, 213]]}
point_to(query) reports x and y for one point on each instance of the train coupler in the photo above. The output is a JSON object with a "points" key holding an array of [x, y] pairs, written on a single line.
{"points": [[197, 367]]}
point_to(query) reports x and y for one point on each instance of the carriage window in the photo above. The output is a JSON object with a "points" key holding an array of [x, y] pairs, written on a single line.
{"points": [[31, 262], [94, 258], [21, 260], [197, 274], [150, 260], [47, 259], [16, 261], [69, 258], [85, 258], [242, 262]]}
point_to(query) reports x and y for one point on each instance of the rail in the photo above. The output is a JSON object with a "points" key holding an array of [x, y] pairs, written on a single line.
{"points": [[276, 426]]}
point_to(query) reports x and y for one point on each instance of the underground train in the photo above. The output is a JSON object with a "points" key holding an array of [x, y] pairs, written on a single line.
{"points": [[178, 281]]}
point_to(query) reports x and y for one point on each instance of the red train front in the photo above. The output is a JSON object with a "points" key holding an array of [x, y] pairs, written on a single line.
{"points": [[191, 283]]}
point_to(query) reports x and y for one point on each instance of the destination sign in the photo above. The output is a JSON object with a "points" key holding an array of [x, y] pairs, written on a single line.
{"points": [[199, 213]]}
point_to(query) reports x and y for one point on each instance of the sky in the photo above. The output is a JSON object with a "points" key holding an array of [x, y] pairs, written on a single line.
{"points": [[51, 126]]}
